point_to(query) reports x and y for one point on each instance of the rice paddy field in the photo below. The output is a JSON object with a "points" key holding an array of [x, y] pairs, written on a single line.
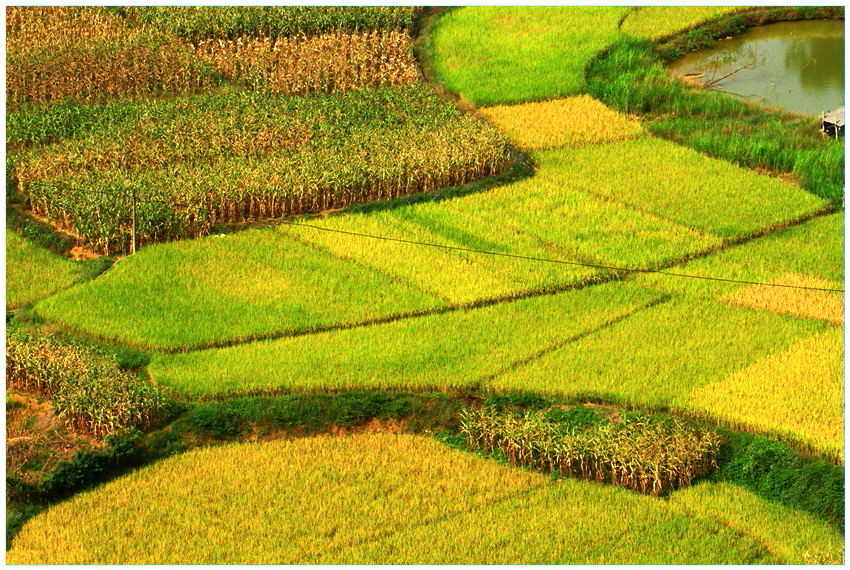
{"points": [[33, 272], [379, 504], [368, 204]]}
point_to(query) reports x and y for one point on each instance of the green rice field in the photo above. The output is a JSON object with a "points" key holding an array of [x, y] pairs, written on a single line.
{"points": [[33, 272]]}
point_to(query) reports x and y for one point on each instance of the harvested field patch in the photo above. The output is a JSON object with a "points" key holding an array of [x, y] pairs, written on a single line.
{"points": [[562, 123]]}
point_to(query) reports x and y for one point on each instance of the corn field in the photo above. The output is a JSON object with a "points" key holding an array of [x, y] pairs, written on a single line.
{"points": [[195, 24], [88, 54], [86, 387], [191, 168], [643, 454], [325, 63]]}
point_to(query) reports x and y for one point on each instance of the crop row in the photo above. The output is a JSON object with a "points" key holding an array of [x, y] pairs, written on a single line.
{"points": [[197, 23], [205, 160], [92, 54], [655, 22], [87, 388], [644, 454], [396, 499], [326, 63]]}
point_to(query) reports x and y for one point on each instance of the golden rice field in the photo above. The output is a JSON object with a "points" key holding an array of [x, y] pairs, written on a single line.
{"points": [[793, 537], [388, 499], [806, 304], [33, 272], [561, 123], [812, 251], [797, 392], [718, 339], [656, 22]]}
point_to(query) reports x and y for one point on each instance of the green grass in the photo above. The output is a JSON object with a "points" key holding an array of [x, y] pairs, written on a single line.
{"points": [[393, 499], [220, 288], [449, 351], [506, 54], [660, 356], [656, 22], [793, 537], [33, 272], [679, 184]]}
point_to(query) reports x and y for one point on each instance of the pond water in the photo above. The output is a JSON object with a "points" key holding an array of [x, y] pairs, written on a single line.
{"points": [[798, 66]]}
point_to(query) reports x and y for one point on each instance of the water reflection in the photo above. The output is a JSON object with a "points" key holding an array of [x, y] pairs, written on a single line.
{"points": [[795, 65]]}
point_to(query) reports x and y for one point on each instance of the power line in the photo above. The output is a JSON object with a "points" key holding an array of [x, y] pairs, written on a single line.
{"points": [[562, 261]]}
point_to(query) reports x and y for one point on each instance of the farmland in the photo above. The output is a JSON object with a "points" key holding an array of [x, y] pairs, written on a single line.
{"points": [[440, 497], [480, 285], [33, 273]]}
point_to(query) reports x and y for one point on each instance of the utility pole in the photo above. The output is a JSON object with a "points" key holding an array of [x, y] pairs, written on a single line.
{"points": [[133, 230]]}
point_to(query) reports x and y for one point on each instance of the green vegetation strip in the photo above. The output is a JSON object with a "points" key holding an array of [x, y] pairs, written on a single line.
{"points": [[503, 54], [33, 272], [450, 351], [386, 499]]}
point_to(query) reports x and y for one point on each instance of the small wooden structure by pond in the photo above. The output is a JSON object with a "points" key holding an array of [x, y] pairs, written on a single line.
{"points": [[833, 123]]}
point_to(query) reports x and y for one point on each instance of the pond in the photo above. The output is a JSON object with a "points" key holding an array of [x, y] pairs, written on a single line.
{"points": [[798, 66]]}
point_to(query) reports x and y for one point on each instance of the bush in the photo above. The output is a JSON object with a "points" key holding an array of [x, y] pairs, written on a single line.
{"points": [[773, 471]]}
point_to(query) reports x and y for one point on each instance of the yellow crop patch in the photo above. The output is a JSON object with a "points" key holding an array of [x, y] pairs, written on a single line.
{"points": [[796, 392], [563, 123], [805, 303]]}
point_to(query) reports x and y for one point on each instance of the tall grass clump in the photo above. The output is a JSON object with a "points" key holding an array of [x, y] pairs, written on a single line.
{"points": [[87, 388], [630, 77], [643, 453]]}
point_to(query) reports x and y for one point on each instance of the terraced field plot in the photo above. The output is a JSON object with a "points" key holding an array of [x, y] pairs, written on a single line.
{"points": [[493, 55], [386, 498], [448, 351], [561, 123], [680, 184], [33, 272]]}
